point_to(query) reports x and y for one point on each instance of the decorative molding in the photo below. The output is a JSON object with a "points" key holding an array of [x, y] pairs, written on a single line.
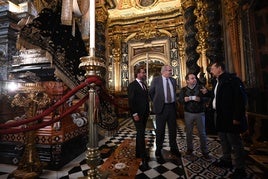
{"points": [[143, 4]]}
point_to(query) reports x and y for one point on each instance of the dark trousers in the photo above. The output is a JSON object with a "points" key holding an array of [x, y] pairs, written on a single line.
{"points": [[140, 137], [168, 116]]}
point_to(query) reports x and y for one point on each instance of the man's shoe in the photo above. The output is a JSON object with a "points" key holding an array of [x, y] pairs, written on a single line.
{"points": [[175, 152], [144, 166], [160, 159], [223, 164], [239, 173], [158, 152], [147, 158], [206, 156]]}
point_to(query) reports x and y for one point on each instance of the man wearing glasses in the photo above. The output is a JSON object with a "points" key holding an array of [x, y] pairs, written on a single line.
{"points": [[163, 94]]}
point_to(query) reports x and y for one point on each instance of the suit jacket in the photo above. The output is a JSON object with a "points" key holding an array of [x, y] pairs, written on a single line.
{"points": [[229, 103], [138, 99], [156, 93]]}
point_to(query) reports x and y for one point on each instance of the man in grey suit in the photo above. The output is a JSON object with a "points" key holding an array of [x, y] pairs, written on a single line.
{"points": [[163, 94]]}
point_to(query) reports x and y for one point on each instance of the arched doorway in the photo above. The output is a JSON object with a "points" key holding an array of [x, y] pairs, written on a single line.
{"points": [[153, 68], [151, 61], [152, 55]]}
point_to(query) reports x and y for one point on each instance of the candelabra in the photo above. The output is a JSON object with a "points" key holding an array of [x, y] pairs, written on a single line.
{"points": [[93, 67]]}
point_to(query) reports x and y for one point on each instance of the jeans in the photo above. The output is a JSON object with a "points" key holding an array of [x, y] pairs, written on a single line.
{"points": [[190, 119]]}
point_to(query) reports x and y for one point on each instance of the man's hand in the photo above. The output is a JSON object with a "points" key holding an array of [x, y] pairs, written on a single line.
{"points": [[204, 90], [187, 98], [235, 122], [197, 98]]}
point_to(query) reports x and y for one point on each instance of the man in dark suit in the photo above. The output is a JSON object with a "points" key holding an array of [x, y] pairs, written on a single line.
{"points": [[139, 108], [163, 94]]}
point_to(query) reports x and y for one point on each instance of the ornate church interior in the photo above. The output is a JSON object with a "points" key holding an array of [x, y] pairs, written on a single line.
{"points": [[65, 67]]}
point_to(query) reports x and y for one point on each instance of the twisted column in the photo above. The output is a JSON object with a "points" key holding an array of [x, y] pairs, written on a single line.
{"points": [[214, 43], [190, 37]]}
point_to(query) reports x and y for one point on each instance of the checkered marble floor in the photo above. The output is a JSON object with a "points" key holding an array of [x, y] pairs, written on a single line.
{"points": [[185, 167]]}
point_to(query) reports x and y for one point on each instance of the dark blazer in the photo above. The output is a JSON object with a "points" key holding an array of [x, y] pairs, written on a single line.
{"points": [[229, 103], [156, 93], [138, 99]]}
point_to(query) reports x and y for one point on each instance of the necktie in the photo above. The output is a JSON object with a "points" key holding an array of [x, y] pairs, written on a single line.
{"points": [[143, 85], [168, 92]]}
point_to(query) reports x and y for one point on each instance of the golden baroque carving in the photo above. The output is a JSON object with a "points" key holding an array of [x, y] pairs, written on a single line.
{"points": [[165, 32], [180, 30], [124, 4], [147, 29], [26, 99], [41, 4], [231, 9], [201, 23], [101, 15], [116, 51], [181, 43], [188, 3], [131, 36], [117, 41]]}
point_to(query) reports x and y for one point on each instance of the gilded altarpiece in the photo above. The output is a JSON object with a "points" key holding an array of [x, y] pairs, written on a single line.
{"points": [[150, 34], [146, 42]]}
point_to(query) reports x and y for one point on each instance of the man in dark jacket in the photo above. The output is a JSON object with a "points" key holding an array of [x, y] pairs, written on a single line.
{"points": [[139, 108], [229, 112]]}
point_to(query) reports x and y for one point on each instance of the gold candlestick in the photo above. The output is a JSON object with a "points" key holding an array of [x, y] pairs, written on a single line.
{"points": [[93, 67]]}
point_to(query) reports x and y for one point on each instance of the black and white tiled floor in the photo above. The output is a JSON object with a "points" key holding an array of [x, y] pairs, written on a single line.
{"points": [[185, 167]]}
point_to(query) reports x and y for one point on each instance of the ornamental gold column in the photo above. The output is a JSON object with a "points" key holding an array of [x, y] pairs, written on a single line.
{"points": [[94, 67], [116, 52], [32, 98]]}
